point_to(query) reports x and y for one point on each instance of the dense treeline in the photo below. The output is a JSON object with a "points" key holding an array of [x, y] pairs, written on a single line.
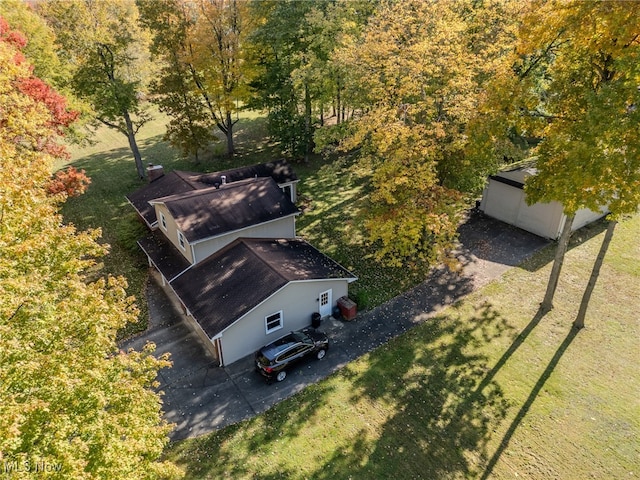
{"points": [[429, 97]]}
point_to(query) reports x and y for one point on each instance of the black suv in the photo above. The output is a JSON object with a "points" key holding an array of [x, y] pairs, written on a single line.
{"points": [[273, 359]]}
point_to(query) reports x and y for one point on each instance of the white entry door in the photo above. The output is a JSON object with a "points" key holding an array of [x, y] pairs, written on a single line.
{"points": [[325, 303]]}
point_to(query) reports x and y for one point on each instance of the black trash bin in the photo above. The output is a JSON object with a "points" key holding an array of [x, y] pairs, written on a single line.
{"points": [[316, 319]]}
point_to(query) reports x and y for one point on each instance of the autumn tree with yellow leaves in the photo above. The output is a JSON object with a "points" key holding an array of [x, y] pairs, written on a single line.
{"points": [[203, 75], [574, 84], [70, 401], [415, 77], [106, 52]]}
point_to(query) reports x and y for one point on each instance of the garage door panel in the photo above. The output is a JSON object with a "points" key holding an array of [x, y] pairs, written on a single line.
{"points": [[540, 218], [503, 201]]}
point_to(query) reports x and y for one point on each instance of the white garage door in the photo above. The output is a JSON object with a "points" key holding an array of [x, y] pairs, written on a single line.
{"points": [[502, 201], [507, 203]]}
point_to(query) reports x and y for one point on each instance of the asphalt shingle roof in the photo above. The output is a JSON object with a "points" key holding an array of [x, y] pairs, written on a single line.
{"points": [[279, 170], [213, 211], [225, 286], [169, 184], [164, 255], [177, 182]]}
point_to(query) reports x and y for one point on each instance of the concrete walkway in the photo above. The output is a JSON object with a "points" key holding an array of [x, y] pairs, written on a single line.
{"points": [[200, 397]]}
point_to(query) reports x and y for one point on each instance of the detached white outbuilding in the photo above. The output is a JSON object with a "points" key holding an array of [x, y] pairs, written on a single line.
{"points": [[504, 199]]}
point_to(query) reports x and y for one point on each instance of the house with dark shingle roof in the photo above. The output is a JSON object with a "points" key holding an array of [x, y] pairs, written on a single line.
{"points": [[255, 290], [229, 252], [203, 221], [178, 182]]}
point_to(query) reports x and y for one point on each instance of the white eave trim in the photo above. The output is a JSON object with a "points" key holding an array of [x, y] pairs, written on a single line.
{"points": [[336, 279], [152, 226], [195, 242], [288, 183]]}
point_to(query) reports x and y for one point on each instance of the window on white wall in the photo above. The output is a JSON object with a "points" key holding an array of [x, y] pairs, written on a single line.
{"points": [[163, 221], [273, 322], [181, 240]]}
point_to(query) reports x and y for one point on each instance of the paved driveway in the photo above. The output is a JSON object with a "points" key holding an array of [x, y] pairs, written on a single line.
{"points": [[200, 397]]}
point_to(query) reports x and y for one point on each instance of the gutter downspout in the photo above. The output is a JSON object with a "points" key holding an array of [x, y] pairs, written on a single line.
{"points": [[218, 344]]}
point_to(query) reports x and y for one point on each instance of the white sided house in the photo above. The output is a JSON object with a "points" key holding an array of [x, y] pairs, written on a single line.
{"points": [[229, 254], [256, 290], [201, 222], [504, 199]]}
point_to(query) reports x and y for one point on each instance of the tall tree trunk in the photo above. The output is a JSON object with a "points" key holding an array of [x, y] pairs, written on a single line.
{"points": [[229, 134], [563, 242], [307, 123], [338, 101], [131, 136], [579, 321]]}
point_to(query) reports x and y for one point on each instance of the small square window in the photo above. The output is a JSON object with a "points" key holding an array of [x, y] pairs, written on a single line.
{"points": [[324, 299], [273, 322], [181, 240], [163, 221]]}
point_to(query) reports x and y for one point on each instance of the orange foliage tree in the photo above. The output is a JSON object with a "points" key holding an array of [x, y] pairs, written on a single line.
{"points": [[69, 399], [71, 181]]}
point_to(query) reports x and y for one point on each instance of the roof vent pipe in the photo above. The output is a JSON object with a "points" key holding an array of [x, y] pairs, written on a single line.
{"points": [[224, 179]]}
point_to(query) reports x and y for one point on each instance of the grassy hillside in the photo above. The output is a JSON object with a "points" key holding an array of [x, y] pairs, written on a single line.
{"points": [[486, 389]]}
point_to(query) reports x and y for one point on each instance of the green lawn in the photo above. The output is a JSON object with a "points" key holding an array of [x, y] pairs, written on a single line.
{"points": [[331, 193], [110, 166], [487, 389], [109, 163]]}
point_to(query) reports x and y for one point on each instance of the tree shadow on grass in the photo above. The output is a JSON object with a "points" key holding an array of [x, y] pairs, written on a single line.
{"points": [[333, 199], [440, 418], [504, 443], [259, 437], [252, 143], [113, 175], [579, 237]]}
